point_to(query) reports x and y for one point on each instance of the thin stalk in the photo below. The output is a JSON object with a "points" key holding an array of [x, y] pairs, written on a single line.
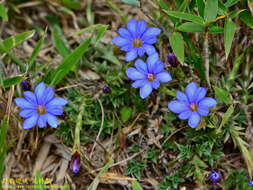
{"points": [[206, 57]]}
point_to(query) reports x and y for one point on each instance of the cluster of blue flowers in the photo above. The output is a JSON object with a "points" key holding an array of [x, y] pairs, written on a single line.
{"points": [[137, 40]]}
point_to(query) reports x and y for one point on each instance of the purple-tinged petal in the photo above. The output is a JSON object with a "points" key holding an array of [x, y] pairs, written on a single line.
{"points": [[27, 113], [156, 84], [151, 41], [207, 102], [178, 106], [184, 115], [141, 51], [150, 33], [200, 94], [164, 76], [57, 101], [39, 92], [149, 49], [55, 110], [31, 121], [133, 74], [181, 96], [132, 26], [52, 120], [141, 66], [24, 104], [203, 111], [151, 62], [42, 121], [190, 91], [119, 41], [30, 97], [141, 28], [131, 55], [48, 94], [127, 47], [146, 90], [139, 83], [159, 66], [194, 120], [124, 33]]}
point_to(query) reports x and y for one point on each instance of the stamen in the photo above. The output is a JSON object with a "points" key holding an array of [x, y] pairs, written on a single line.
{"points": [[137, 43], [41, 109], [194, 107], [151, 77]]}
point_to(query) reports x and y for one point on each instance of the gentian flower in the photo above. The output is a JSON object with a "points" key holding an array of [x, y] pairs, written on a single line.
{"points": [[40, 107], [106, 89], [136, 39], [172, 60], [215, 176], [75, 162], [25, 85], [251, 182], [192, 104], [148, 75]]}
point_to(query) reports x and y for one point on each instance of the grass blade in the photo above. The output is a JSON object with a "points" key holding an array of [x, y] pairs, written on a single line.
{"points": [[229, 32]]}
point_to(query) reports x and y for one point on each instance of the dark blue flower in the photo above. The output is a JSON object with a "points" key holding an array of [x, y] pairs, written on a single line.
{"points": [[25, 85], [192, 104], [148, 75], [75, 162], [215, 176], [136, 39], [251, 182], [172, 60], [40, 107]]}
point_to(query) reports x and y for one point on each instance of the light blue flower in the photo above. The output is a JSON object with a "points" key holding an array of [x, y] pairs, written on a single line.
{"points": [[215, 176], [40, 107]]}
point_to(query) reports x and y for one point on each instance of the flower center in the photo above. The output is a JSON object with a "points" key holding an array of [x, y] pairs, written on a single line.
{"points": [[151, 77], [137, 43], [194, 107], [41, 109]]}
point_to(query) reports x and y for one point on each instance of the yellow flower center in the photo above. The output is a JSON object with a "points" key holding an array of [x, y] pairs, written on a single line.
{"points": [[137, 43], [194, 107], [41, 109]]}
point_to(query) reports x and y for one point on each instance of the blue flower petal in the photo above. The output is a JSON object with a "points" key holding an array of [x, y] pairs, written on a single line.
{"points": [[55, 110], [156, 84], [141, 28], [125, 33], [141, 66], [132, 26], [31, 121], [24, 104], [39, 92], [30, 97], [194, 120], [203, 111], [146, 90], [178, 106], [190, 91], [119, 41], [133, 74], [42, 121], [48, 94], [27, 113], [149, 49], [141, 51], [151, 41], [131, 55], [164, 76], [52, 120], [200, 94], [151, 61], [184, 115], [207, 102], [150, 33], [57, 101], [139, 83], [181, 96], [127, 47], [159, 66]]}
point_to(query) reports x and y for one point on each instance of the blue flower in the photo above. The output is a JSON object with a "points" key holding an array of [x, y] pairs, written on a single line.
{"points": [[251, 182], [136, 39], [215, 176], [40, 107], [192, 104], [148, 75], [75, 162], [172, 60]]}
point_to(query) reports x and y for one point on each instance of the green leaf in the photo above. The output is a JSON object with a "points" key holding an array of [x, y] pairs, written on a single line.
{"points": [[132, 2], [201, 7], [223, 95], [225, 118], [186, 16], [101, 32], [191, 27], [230, 3], [234, 13], [126, 113], [1, 75], [69, 62], [211, 10], [177, 45], [71, 4], [229, 32], [13, 81], [60, 45], [3, 132], [136, 185], [3, 12], [39, 182], [215, 30], [246, 17]]}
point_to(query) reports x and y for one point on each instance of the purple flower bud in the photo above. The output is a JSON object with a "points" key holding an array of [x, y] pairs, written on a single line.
{"points": [[25, 85], [75, 162], [172, 60], [244, 45], [106, 89]]}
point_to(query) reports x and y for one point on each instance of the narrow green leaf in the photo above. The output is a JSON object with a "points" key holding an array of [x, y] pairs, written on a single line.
{"points": [[229, 32], [162, 4], [223, 95], [3, 12], [90, 28], [1, 79], [186, 16], [126, 113], [230, 3], [201, 7], [191, 27], [39, 182], [116, 8], [3, 131], [222, 9], [69, 62], [211, 10], [177, 45], [234, 13], [246, 17], [215, 30], [225, 117], [132, 2], [183, 6], [60, 45], [71, 4], [13, 81], [136, 185], [236, 65]]}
